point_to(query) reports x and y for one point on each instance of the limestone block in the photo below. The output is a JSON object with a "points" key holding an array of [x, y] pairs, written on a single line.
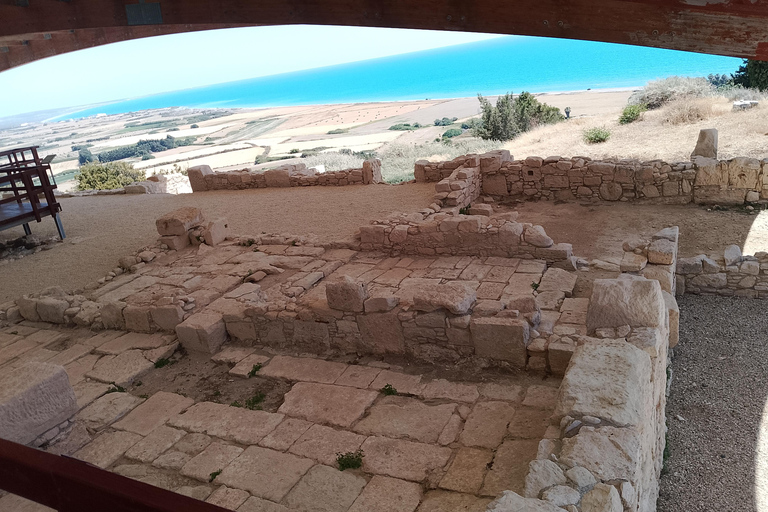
{"points": [[34, 398], [481, 209], [512, 502], [381, 332], [635, 302], [743, 173], [28, 308], [399, 234], [752, 196], [603, 498], [609, 453], [112, 315], [650, 191], [178, 222], [662, 252], [717, 195], [558, 280], [611, 191], [541, 475], [706, 145], [709, 172], [197, 176], [536, 236], [277, 177], [167, 317], [495, 185], [674, 318], [719, 280], [732, 255], [346, 294], [52, 310], [562, 495], [137, 318], [455, 297], [690, 265], [372, 171], [504, 339], [607, 379], [631, 262], [372, 234], [381, 304], [175, 242], [202, 332], [216, 232]]}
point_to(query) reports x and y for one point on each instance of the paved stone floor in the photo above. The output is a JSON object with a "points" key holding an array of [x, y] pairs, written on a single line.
{"points": [[436, 445]]}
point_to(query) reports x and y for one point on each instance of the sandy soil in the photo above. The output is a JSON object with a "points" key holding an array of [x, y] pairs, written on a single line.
{"points": [[101, 230]]}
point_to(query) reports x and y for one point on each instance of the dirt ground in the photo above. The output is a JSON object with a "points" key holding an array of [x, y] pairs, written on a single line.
{"points": [[102, 229]]}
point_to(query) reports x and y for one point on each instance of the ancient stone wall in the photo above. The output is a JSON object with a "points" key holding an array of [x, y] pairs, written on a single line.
{"points": [[477, 233], [703, 180], [202, 178], [731, 274]]}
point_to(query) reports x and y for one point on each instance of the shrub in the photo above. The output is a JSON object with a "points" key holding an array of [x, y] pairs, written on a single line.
{"points": [[752, 74], [338, 131], [631, 113], [719, 80], [596, 135], [107, 176], [85, 156], [194, 126], [512, 116], [350, 460], [658, 92], [453, 132], [471, 124], [687, 111], [446, 121], [403, 127]]}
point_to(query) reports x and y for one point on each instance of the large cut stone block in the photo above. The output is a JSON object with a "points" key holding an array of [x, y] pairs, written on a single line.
{"points": [[706, 146], [277, 178], [504, 339], [202, 332], [33, 399], [381, 332], [178, 222], [197, 176], [636, 302], [346, 294], [609, 453], [608, 379], [495, 185], [455, 297], [325, 403]]}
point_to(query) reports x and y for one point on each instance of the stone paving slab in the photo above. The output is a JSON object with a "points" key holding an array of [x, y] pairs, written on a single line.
{"points": [[214, 458], [132, 341], [456, 391], [303, 369], [107, 410], [107, 448], [225, 497], [70, 355], [529, 423], [121, 369], [385, 494], [358, 376], [232, 355], [467, 470], [325, 403], [265, 473], [154, 412], [544, 397], [254, 504], [408, 384], [245, 366], [285, 434], [87, 392], [403, 459], [192, 443], [395, 416], [13, 503], [46, 337], [152, 446], [77, 369], [508, 392], [226, 422], [323, 444], [487, 424], [325, 489], [171, 460], [510, 465], [445, 501]]}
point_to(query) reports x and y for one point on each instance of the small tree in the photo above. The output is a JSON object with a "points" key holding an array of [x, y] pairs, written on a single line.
{"points": [[107, 176], [85, 156], [512, 116], [752, 74]]}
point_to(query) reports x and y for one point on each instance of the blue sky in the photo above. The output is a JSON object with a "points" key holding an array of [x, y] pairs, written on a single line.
{"points": [[180, 61]]}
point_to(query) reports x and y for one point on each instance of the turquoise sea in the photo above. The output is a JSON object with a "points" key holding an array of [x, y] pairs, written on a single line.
{"points": [[496, 66]]}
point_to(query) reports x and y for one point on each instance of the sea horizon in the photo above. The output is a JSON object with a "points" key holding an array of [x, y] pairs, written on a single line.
{"points": [[492, 67]]}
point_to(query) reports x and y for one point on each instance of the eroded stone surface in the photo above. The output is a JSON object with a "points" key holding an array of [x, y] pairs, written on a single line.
{"points": [[303, 369], [323, 444], [265, 473], [324, 489], [384, 494], [325, 403], [402, 459], [396, 416], [230, 423], [467, 470], [214, 458], [107, 448], [154, 412], [487, 424]]}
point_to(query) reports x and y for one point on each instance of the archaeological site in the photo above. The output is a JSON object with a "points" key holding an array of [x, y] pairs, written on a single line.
{"points": [[454, 358]]}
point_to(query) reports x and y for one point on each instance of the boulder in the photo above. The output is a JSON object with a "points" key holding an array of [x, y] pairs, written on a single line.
{"points": [[706, 146], [732, 255], [632, 262], [512, 502], [346, 294], [277, 177], [216, 232], [536, 236], [52, 310], [607, 379], [178, 222], [662, 252], [603, 498], [611, 191], [636, 302], [541, 475], [33, 399]]}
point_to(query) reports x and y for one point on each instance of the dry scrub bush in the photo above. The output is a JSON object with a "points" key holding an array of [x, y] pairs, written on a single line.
{"points": [[334, 161], [658, 92], [687, 110]]}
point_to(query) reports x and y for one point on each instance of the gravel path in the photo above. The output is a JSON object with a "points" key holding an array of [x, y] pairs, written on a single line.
{"points": [[718, 430], [102, 229]]}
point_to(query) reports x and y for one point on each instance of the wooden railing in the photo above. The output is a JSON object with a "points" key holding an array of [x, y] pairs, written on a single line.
{"points": [[69, 485]]}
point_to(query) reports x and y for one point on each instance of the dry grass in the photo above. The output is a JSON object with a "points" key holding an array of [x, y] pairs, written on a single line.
{"points": [[655, 136], [688, 110]]}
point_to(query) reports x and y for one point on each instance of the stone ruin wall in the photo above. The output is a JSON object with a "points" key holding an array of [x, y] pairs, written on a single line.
{"points": [[702, 181], [729, 275], [202, 178]]}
